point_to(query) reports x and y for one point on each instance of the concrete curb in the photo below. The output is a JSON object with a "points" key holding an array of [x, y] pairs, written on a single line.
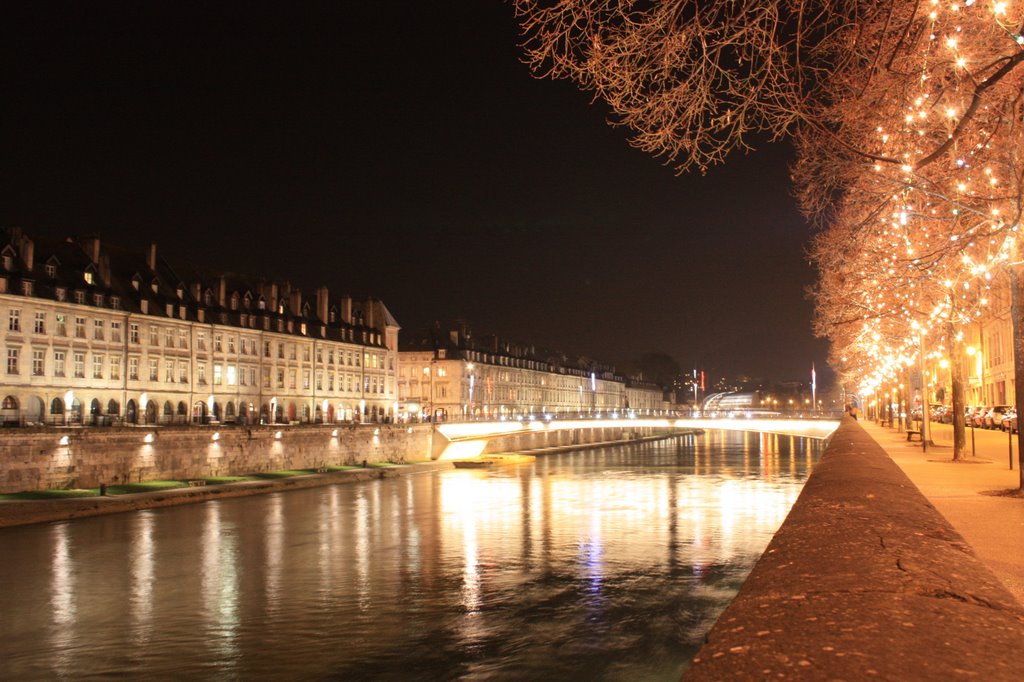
{"points": [[24, 512], [865, 579]]}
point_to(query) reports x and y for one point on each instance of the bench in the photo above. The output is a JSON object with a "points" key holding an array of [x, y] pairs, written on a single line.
{"points": [[196, 483], [911, 434]]}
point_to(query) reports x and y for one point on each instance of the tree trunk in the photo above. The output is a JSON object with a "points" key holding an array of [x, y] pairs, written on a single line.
{"points": [[956, 373], [1016, 312]]}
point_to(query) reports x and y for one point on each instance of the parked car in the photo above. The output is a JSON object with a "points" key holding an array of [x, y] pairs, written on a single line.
{"points": [[938, 412], [994, 416], [1010, 420], [971, 415]]}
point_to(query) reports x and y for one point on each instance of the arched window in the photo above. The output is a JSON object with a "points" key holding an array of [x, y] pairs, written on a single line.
{"points": [[57, 406], [229, 409], [10, 403], [113, 408], [94, 407], [168, 408], [182, 409]]}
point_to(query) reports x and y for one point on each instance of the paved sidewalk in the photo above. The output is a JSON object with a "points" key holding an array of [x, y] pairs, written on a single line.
{"points": [[961, 491]]}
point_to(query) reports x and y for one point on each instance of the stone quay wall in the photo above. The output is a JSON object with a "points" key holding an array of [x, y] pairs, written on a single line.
{"points": [[542, 440], [39, 459], [865, 580], [45, 458]]}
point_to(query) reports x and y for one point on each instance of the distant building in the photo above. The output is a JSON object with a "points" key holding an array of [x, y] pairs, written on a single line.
{"points": [[96, 334], [453, 375]]}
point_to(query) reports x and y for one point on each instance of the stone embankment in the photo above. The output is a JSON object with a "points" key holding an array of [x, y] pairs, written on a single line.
{"points": [[23, 512], [865, 580]]}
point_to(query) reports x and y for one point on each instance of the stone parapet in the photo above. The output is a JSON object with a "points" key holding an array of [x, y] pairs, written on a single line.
{"points": [[865, 580]]}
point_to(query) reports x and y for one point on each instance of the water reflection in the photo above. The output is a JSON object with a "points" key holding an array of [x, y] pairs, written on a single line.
{"points": [[604, 564]]}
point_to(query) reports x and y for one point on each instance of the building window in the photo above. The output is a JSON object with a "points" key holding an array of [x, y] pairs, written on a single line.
{"points": [[40, 325], [217, 371], [14, 321], [97, 366], [266, 378], [115, 331], [115, 367], [133, 369], [89, 279], [291, 351], [305, 353], [97, 300], [182, 372], [115, 302], [38, 362], [97, 330], [154, 335], [26, 288], [201, 341], [79, 327], [80, 297], [291, 379], [266, 349], [330, 381], [232, 375], [201, 373], [51, 270], [169, 371], [58, 363], [169, 338], [217, 343], [280, 350], [79, 365], [133, 332], [154, 369], [305, 380], [280, 378], [62, 294], [13, 355], [231, 344], [182, 338]]}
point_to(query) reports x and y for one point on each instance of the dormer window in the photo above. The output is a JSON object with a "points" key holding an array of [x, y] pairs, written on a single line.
{"points": [[234, 301], [89, 279], [136, 282], [302, 328], [247, 301], [115, 302], [26, 288], [80, 297], [180, 292], [61, 294], [51, 270], [155, 286], [261, 303], [208, 298], [332, 316]]}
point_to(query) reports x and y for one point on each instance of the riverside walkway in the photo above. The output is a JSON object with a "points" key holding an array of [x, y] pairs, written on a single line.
{"points": [[967, 492]]}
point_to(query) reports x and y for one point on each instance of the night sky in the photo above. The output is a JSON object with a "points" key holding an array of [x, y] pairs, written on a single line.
{"points": [[402, 150]]}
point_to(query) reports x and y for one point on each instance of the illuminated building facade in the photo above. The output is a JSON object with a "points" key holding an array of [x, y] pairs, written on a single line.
{"points": [[95, 334], [452, 375]]}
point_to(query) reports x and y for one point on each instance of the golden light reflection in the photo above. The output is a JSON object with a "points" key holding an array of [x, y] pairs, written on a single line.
{"points": [[142, 577]]}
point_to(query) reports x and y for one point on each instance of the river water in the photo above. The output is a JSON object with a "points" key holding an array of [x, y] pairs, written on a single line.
{"points": [[598, 564]]}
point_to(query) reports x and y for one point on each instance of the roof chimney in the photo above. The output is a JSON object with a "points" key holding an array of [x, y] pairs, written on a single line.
{"points": [[150, 259], [346, 309], [321, 304]]}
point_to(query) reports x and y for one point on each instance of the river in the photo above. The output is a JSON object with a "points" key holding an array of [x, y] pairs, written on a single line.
{"points": [[597, 564]]}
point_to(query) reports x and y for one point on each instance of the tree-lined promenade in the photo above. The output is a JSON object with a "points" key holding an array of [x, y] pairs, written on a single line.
{"points": [[906, 117]]}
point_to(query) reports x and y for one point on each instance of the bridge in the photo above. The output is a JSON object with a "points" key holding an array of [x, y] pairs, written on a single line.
{"points": [[469, 439]]}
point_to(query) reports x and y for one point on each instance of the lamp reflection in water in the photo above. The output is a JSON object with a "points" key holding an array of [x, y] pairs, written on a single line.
{"points": [[142, 577], [220, 584]]}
